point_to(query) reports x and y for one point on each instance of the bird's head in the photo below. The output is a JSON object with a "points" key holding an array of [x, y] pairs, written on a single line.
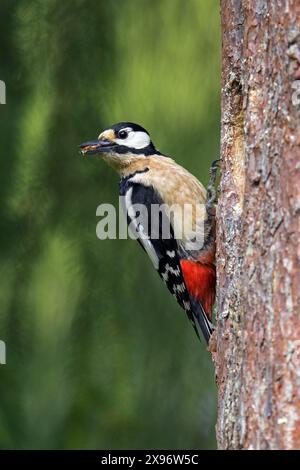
{"points": [[119, 143]]}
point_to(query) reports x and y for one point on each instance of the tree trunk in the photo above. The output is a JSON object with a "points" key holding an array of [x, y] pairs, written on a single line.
{"points": [[258, 327]]}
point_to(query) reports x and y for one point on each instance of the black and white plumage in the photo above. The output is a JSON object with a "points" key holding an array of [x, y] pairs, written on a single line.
{"points": [[150, 179], [162, 252]]}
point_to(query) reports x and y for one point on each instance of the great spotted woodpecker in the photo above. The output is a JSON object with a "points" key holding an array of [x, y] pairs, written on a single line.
{"points": [[149, 178]]}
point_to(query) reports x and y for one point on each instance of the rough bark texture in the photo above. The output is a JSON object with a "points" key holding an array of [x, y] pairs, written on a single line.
{"points": [[258, 325]]}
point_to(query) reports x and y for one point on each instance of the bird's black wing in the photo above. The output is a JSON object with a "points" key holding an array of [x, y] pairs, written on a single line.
{"points": [[163, 251]]}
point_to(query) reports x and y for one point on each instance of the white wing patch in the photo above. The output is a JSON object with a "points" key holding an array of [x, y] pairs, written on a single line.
{"points": [[139, 230], [176, 271], [187, 305], [149, 249], [179, 288], [171, 254]]}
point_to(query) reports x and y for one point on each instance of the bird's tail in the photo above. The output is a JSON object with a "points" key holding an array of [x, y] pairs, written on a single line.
{"points": [[204, 323]]}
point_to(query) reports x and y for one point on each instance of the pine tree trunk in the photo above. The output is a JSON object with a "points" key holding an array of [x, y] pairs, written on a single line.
{"points": [[258, 325]]}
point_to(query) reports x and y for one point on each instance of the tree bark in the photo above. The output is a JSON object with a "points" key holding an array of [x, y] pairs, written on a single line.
{"points": [[258, 220]]}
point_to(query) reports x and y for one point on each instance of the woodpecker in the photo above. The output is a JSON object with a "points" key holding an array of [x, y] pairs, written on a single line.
{"points": [[149, 178]]}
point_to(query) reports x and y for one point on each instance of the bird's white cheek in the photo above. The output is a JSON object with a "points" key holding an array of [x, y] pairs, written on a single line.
{"points": [[137, 140]]}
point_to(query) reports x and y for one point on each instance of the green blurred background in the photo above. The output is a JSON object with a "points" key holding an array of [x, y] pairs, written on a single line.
{"points": [[99, 355]]}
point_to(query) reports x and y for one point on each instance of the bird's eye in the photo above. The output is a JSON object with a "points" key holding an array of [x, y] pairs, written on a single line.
{"points": [[122, 134]]}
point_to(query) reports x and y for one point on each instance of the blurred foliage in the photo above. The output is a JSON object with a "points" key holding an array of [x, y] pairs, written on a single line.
{"points": [[99, 355]]}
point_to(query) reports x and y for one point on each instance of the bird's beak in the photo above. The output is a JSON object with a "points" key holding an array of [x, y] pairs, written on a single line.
{"points": [[96, 146]]}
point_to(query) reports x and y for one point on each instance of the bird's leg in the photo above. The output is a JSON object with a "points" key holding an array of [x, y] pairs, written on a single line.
{"points": [[211, 190]]}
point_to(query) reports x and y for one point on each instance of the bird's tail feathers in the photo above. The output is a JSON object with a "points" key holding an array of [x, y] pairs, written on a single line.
{"points": [[204, 323]]}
